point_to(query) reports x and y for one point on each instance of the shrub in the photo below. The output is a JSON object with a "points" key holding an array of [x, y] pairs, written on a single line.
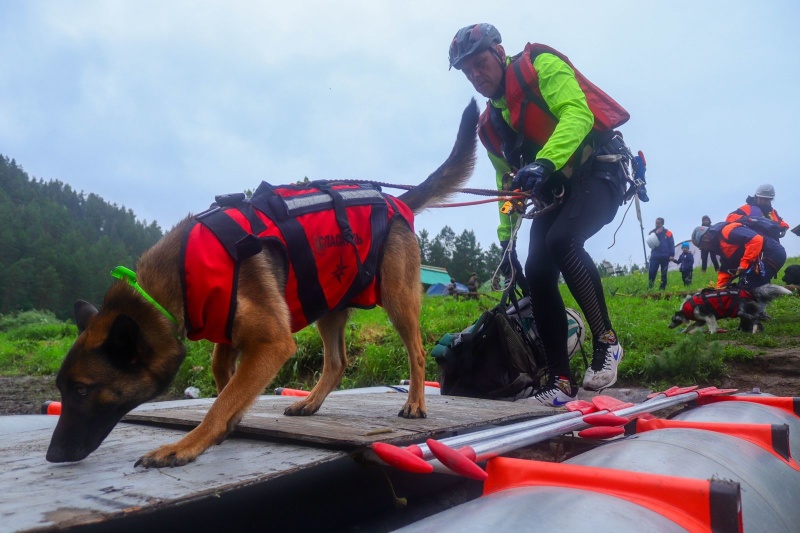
{"points": [[692, 359], [42, 332], [27, 318]]}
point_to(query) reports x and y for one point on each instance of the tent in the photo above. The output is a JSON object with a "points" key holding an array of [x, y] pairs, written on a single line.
{"points": [[431, 275], [440, 289]]}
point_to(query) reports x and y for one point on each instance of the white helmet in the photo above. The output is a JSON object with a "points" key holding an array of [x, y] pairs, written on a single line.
{"points": [[698, 233], [765, 191], [652, 241]]}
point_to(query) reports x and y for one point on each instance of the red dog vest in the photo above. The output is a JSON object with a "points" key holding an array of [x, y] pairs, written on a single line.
{"points": [[723, 303], [332, 235]]}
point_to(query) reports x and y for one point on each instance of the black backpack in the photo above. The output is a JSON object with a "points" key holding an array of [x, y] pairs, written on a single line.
{"points": [[495, 358]]}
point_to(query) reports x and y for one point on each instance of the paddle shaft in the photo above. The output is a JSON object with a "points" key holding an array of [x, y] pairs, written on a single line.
{"points": [[488, 448]]}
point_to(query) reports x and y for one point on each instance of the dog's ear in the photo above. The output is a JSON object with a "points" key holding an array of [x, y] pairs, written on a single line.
{"points": [[83, 311], [122, 342]]}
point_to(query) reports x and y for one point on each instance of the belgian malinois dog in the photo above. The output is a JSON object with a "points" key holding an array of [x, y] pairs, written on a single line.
{"points": [[130, 351]]}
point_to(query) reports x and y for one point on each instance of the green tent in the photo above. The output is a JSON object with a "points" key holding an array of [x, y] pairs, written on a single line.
{"points": [[432, 275]]}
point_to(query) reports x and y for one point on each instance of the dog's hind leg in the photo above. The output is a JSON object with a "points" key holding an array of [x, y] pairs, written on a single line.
{"points": [[401, 297], [711, 322], [223, 364], [331, 329]]}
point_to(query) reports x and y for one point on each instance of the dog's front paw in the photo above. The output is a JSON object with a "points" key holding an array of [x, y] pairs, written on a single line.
{"points": [[301, 408], [412, 410], [169, 455]]}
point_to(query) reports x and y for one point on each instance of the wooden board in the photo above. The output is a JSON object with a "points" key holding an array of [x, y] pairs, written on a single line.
{"points": [[38, 494], [106, 487], [350, 421]]}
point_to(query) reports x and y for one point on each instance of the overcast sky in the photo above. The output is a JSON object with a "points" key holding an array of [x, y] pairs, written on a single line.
{"points": [[158, 106]]}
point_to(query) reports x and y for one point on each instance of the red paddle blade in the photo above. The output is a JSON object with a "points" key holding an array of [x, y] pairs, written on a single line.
{"points": [[401, 459], [683, 390], [608, 403], [456, 461], [469, 453], [413, 449], [605, 420], [665, 392], [713, 391], [601, 432], [581, 405]]}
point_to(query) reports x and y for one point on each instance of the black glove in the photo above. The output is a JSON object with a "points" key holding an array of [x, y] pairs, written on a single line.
{"points": [[533, 177]]}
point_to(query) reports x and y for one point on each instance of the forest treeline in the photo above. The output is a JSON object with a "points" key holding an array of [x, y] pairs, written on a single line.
{"points": [[58, 245], [460, 254]]}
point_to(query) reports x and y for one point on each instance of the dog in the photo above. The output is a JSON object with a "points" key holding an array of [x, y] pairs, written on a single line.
{"points": [[128, 352], [705, 307], [791, 276]]}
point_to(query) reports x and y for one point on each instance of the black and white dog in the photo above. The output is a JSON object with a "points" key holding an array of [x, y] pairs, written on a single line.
{"points": [[748, 305]]}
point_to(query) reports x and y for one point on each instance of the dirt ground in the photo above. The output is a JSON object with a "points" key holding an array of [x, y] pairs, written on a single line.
{"points": [[25, 395], [776, 372]]}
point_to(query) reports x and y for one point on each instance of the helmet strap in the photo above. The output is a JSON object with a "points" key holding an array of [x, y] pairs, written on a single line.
{"points": [[501, 89]]}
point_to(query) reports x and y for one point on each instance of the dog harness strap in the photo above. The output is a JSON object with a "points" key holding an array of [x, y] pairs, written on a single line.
{"points": [[724, 303], [237, 242], [344, 223], [301, 256], [310, 291]]}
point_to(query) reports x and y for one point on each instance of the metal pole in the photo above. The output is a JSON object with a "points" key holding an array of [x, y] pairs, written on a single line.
{"points": [[641, 226]]}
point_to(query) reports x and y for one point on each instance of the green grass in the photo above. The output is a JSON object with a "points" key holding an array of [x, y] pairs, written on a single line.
{"points": [[655, 356]]}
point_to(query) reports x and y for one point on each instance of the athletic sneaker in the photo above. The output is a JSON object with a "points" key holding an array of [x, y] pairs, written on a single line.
{"points": [[556, 394], [605, 360]]}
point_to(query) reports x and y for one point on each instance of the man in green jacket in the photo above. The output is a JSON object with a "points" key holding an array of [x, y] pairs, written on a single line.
{"points": [[552, 130]]}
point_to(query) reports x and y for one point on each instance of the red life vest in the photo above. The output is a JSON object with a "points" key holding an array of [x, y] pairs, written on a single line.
{"points": [[525, 103], [723, 303], [332, 236]]}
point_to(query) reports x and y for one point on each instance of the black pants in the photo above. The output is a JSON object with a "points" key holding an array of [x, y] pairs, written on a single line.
{"points": [[556, 247], [704, 255], [655, 264], [686, 275]]}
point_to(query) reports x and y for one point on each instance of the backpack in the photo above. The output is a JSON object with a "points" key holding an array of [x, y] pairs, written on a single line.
{"points": [[763, 226], [499, 357]]}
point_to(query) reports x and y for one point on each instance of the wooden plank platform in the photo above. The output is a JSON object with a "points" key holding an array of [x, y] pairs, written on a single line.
{"points": [[38, 494], [106, 493], [349, 421]]}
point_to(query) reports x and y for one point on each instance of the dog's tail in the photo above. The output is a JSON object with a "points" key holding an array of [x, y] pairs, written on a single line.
{"points": [[454, 172], [770, 291]]}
